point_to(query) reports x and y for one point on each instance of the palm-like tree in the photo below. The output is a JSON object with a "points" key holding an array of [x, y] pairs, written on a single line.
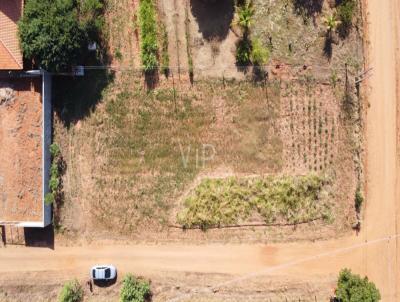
{"points": [[245, 14], [331, 23]]}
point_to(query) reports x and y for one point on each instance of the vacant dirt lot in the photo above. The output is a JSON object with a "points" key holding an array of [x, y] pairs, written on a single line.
{"points": [[21, 150], [133, 155]]}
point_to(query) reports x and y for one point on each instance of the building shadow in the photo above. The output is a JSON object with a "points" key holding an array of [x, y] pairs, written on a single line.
{"points": [[39, 237], [213, 17]]}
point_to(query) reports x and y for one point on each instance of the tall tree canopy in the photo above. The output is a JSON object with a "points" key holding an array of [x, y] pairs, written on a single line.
{"points": [[353, 288], [51, 34]]}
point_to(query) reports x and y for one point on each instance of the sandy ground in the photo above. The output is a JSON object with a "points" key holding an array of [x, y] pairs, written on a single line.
{"points": [[374, 252]]}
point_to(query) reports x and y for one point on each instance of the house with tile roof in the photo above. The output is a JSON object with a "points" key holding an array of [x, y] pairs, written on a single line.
{"points": [[10, 52]]}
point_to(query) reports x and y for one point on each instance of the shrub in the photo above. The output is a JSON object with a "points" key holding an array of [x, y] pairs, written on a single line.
{"points": [[345, 12], [54, 150], [358, 200], [259, 54], [54, 182], [51, 34], [134, 290], [148, 33], [243, 52], [353, 288], [71, 292]]}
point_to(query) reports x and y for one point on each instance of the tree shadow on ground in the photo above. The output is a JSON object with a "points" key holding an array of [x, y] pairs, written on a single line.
{"points": [[214, 17], [74, 98], [38, 237], [308, 8], [328, 47]]}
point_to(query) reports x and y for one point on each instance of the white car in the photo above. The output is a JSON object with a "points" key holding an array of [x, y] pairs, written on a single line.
{"points": [[103, 272]]}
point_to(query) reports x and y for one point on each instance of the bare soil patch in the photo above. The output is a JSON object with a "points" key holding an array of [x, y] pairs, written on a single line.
{"points": [[21, 150]]}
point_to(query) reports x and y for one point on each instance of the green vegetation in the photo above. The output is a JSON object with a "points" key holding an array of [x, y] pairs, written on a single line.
{"points": [[249, 50], [353, 288], [50, 33], [358, 200], [331, 24], [285, 199], [243, 52], [71, 292], [148, 35], [54, 182], [134, 290], [245, 16], [259, 54], [54, 34], [345, 13]]}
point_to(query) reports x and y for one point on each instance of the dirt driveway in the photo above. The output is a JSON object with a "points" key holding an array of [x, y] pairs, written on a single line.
{"points": [[374, 252]]}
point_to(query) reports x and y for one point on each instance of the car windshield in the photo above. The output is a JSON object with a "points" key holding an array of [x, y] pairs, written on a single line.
{"points": [[94, 273], [107, 273]]}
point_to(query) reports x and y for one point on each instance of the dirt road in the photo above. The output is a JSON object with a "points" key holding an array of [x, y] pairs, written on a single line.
{"points": [[374, 252]]}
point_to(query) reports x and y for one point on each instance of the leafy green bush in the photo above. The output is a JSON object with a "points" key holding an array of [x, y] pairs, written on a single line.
{"points": [[134, 290], [243, 52], [353, 288], [148, 34], [50, 33], [259, 54], [218, 202], [71, 292]]}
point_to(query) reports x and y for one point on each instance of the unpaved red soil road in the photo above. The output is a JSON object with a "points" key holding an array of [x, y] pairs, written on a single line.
{"points": [[378, 258]]}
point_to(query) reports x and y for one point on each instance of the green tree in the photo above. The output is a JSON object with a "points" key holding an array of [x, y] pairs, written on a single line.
{"points": [[353, 288], [71, 292], [51, 34], [134, 290]]}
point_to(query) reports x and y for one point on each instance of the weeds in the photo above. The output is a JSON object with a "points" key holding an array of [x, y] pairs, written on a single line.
{"points": [[148, 34], [71, 292], [285, 199]]}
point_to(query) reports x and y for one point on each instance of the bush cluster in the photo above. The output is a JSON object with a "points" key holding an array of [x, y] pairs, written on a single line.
{"points": [[71, 292], [148, 34], [54, 33], [134, 290], [286, 199], [353, 288]]}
